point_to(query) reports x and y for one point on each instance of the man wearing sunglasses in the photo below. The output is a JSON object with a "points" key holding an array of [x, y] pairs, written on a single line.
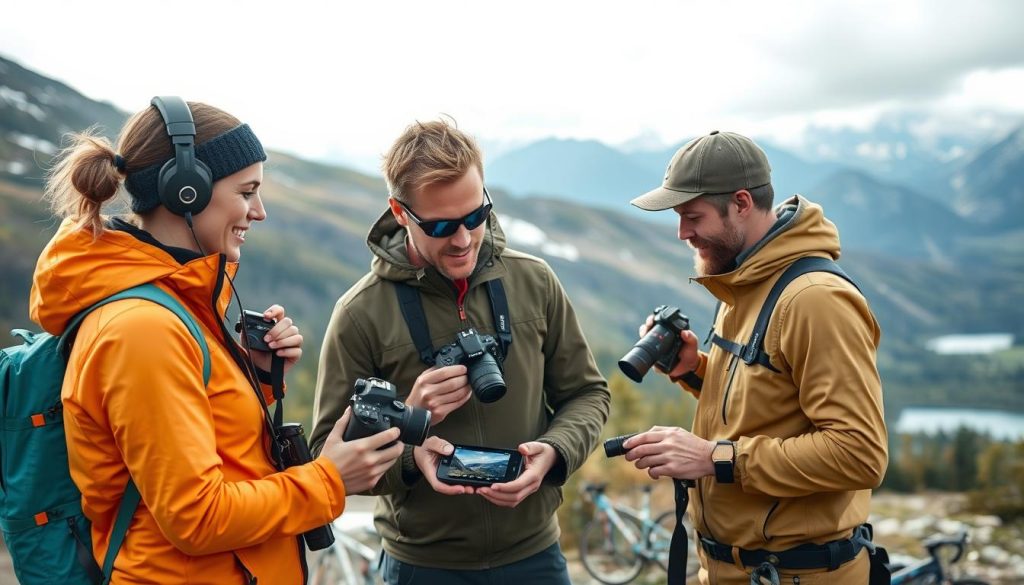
{"points": [[439, 237]]}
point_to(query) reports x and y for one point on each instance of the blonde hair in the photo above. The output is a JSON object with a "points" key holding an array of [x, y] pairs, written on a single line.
{"points": [[85, 175], [428, 153]]}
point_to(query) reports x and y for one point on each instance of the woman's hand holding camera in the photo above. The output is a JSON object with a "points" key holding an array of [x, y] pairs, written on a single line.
{"points": [[441, 391], [283, 339], [361, 462]]}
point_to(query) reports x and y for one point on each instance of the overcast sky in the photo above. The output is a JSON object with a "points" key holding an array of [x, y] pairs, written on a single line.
{"points": [[340, 80]]}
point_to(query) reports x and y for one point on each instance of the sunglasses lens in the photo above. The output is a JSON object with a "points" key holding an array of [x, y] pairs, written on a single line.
{"points": [[473, 220], [442, 228]]}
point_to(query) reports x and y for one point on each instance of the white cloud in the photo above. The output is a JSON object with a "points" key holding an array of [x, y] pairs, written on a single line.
{"points": [[341, 80]]}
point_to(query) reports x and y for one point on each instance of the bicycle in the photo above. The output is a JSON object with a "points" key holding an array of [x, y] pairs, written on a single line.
{"points": [[351, 560], [619, 542], [944, 551]]}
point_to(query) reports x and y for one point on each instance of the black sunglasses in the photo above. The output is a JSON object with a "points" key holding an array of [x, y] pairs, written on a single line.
{"points": [[443, 228]]}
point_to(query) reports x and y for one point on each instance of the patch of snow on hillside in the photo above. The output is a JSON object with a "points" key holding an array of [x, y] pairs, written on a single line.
{"points": [[525, 234], [32, 142], [19, 100]]}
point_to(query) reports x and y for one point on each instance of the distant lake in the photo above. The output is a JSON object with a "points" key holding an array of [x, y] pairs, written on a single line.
{"points": [[998, 424], [969, 343]]}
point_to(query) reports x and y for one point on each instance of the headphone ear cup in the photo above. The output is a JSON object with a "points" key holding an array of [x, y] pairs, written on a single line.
{"points": [[184, 192]]}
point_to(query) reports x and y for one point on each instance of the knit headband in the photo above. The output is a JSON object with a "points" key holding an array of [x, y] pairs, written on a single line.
{"points": [[226, 154]]}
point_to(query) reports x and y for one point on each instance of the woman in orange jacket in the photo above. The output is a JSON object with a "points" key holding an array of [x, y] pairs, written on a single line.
{"points": [[216, 508]]}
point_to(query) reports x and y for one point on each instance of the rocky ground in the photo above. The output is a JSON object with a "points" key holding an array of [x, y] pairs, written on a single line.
{"points": [[995, 552]]}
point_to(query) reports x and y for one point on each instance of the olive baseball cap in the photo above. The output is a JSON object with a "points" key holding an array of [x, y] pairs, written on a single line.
{"points": [[721, 162]]}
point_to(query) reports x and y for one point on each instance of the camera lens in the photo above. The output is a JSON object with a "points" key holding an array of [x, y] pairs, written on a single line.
{"points": [[485, 378], [414, 425], [613, 446], [642, 356]]}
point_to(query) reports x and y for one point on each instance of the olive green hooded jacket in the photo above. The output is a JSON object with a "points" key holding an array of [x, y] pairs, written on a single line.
{"points": [[811, 439], [555, 394]]}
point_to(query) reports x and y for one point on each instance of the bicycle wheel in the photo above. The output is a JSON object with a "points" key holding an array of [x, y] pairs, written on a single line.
{"points": [[608, 555], [659, 537]]}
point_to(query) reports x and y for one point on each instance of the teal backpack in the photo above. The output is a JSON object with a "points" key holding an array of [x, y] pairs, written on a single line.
{"points": [[40, 507]]}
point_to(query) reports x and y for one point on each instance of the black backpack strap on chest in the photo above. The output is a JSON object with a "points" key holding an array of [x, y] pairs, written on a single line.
{"points": [[753, 351], [412, 309], [416, 319]]}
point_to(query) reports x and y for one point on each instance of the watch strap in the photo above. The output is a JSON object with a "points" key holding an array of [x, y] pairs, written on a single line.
{"points": [[725, 469]]}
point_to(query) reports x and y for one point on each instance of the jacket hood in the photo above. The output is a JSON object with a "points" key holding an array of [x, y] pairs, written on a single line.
{"points": [[386, 241], [805, 232], [76, 271]]}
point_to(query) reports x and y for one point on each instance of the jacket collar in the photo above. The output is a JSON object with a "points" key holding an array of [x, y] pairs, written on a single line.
{"points": [[386, 241]]}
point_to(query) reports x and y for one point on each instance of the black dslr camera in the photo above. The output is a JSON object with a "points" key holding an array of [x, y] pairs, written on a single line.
{"points": [[376, 408], [255, 327], [659, 347], [295, 451], [482, 358]]}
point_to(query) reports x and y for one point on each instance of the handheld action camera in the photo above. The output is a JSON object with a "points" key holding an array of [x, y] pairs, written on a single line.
{"points": [[255, 327], [482, 358], [376, 408], [659, 347], [479, 466]]}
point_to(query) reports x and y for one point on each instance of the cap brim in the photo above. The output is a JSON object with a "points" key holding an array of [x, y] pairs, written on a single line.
{"points": [[663, 198]]}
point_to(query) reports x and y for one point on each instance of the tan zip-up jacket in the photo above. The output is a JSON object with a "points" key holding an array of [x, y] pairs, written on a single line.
{"points": [[555, 395], [811, 440]]}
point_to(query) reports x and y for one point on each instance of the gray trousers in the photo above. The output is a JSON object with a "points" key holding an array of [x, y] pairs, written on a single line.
{"points": [[544, 568]]}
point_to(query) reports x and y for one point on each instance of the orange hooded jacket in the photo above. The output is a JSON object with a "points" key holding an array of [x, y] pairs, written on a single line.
{"points": [[214, 507]]}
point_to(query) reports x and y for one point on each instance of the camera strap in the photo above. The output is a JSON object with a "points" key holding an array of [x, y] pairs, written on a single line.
{"points": [[499, 310], [416, 319], [277, 385], [753, 351], [678, 552]]}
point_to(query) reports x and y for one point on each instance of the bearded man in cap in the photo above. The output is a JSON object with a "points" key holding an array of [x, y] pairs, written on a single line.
{"points": [[785, 449]]}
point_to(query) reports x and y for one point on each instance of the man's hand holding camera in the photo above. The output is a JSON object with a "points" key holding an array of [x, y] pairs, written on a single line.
{"points": [[538, 459], [441, 390], [427, 457], [671, 452], [689, 358]]}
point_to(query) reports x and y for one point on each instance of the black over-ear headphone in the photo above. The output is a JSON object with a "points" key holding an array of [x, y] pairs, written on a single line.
{"points": [[184, 183]]}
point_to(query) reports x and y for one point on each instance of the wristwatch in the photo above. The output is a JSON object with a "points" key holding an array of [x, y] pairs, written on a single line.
{"points": [[724, 458]]}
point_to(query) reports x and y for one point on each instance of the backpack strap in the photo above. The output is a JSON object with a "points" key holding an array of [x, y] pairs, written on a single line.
{"points": [[131, 498], [152, 293], [753, 351], [416, 319], [129, 503], [412, 309]]}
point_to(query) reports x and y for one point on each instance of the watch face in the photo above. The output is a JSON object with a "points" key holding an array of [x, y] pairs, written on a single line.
{"points": [[722, 452]]}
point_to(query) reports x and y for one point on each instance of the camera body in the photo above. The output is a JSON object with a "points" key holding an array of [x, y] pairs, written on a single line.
{"points": [[295, 451], [482, 358], [255, 327], [659, 347], [376, 408], [479, 466]]}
